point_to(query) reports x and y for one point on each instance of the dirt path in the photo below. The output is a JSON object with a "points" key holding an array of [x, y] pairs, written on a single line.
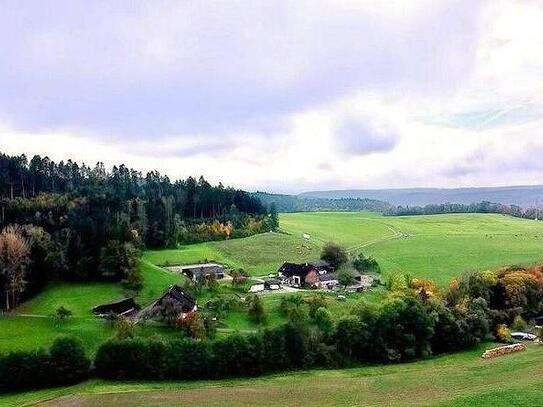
{"points": [[396, 234]]}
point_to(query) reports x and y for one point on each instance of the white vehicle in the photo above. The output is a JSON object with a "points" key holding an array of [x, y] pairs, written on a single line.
{"points": [[256, 288]]}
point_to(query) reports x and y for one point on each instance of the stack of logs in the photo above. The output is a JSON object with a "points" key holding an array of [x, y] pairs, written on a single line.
{"points": [[503, 350]]}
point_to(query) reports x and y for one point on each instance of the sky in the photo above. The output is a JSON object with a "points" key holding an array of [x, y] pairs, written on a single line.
{"points": [[282, 96]]}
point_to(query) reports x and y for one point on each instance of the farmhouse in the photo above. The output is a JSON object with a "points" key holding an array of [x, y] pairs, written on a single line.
{"points": [[123, 307], [298, 275], [322, 266], [201, 271], [317, 275], [308, 275], [174, 296]]}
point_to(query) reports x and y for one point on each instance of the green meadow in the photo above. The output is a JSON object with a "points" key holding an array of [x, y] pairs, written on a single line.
{"points": [[439, 247]]}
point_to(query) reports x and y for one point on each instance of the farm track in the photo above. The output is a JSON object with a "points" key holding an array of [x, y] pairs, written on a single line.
{"points": [[396, 234]]}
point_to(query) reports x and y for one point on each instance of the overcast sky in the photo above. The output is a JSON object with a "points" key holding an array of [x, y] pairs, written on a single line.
{"points": [[280, 96]]}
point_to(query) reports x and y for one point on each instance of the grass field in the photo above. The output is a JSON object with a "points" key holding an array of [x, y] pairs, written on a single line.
{"points": [[32, 327], [459, 380], [439, 247]]}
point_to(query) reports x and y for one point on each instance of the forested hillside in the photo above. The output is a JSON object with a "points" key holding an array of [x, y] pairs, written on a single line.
{"points": [[298, 203], [69, 221], [523, 196]]}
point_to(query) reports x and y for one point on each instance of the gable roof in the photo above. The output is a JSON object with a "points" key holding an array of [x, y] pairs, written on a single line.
{"points": [[177, 294], [320, 264], [293, 269], [201, 266]]}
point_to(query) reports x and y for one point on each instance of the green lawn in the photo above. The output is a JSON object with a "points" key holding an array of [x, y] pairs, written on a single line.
{"points": [[462, 379]]}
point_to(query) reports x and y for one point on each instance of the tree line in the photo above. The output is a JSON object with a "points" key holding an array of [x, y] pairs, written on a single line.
{"points": [[480, 207], [293, 203], [72, 222]]}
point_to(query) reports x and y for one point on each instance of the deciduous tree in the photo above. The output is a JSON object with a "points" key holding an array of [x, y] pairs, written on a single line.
{"points": [[14, 259]]}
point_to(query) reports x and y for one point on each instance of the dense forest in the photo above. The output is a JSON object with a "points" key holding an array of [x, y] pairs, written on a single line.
{"points": [[481, 207], [72, 222], [297, 203]]}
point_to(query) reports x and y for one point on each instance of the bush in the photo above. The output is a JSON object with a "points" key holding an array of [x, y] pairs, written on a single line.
{"points": [[502, 333], [287, 347], [131, 359], [125, 328], [365, 264], [256, 309], [519, 324], [68, 361], [323, 320], [64, 364]]}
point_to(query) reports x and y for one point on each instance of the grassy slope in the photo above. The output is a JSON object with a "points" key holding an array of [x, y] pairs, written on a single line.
{"points": [[439, 247], [259, 254], [462, 379], [32, 326]]}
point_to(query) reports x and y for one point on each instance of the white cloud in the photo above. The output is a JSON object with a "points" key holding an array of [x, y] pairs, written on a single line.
{"points": [[372, 120]]}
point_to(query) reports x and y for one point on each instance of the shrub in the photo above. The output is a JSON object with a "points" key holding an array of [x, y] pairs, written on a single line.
{"points": [[125, 328], [131, 359], [365, 264], [323, 320], [519, 324], [256, 309], [65, 363], [402, 331], [315, 302], [68, 361], [502, 333]]}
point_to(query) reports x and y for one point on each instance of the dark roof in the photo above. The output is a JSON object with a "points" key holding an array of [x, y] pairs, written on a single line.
{"points": [[327, 277], [320, 264], [272, 281], [119, 307], [176, 294], [293, 269], [202, 267]]}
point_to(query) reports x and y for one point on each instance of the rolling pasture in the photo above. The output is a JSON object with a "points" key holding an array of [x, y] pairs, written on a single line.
{"points": [[438, 247], [462, 379]]}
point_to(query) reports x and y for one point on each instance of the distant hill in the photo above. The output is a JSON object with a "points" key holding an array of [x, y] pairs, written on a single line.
{"points": [[524, 196], [294, 203]]}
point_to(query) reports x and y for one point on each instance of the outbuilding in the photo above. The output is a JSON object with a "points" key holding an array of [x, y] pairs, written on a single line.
{"points": [[204, 271], [124, 307]]}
